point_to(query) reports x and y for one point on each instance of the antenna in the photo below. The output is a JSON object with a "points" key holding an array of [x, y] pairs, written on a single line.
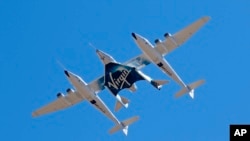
{"points": [[60, 64], [92, 46]]}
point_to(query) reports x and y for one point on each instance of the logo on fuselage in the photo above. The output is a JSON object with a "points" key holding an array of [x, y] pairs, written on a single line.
{"points": [[119, 81], [118, 77]]}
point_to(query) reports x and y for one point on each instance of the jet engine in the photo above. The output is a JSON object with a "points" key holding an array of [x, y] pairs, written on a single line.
{"points": [[166, 35], [157, 41], [70, 91], [59, 95], [160, 44]]}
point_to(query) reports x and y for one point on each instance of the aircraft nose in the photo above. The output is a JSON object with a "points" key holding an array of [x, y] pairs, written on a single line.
{"points": [[99, 53], [66, 73], [134, 36]]}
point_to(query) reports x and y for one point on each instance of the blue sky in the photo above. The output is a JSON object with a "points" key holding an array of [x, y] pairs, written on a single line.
{"points": [[34, 34]]}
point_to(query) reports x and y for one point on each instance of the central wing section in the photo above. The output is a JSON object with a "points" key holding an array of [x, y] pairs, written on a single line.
{"points": [[118, 77], [138, 62]]}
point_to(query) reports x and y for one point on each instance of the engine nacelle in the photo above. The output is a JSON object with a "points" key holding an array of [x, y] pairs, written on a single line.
{"points": [[59, 95], [157, 41], [70, 91], [166, 35]]}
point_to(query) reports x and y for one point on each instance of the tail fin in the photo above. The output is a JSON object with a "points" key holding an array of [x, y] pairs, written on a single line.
{"points": [[190, 88], [124, 125], [121, 101], [159, 83]]}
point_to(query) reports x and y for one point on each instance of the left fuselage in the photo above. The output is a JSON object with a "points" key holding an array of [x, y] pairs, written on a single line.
{"points": [[89, 95]]}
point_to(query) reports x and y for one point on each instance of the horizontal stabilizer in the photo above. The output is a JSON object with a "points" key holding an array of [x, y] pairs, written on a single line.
{"points": [[190, 89], [133, 88], [159, 83], [123, 102], [124, 125]]}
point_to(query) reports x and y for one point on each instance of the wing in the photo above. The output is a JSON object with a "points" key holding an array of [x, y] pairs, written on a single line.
{"points": [[180, 37], [97, 85], [176, 40], [138, 62], [61, 102]]}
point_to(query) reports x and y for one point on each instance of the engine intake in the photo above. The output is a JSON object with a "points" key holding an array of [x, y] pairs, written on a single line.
{"points": [[166, 35], [59, 95], [70, 91], [157, 41]]}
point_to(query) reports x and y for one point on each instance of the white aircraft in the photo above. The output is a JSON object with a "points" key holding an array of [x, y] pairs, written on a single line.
{"points": [[154, 54], [83, 92], [150, 55], [118, 76]]}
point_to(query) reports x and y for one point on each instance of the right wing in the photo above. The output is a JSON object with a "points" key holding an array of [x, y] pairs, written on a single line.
{"points": [[61, 102], [169, 44], [180, 37]]}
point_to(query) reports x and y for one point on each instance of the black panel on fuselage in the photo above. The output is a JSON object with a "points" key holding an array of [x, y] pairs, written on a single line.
{"points": [[118, 77]]}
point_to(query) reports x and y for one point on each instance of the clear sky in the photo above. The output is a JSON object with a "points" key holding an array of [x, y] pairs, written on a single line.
{"points": [[34, 34]]}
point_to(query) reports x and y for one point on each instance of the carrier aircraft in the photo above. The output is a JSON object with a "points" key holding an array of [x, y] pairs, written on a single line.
{"points": [[155, 53], [119, 76]]}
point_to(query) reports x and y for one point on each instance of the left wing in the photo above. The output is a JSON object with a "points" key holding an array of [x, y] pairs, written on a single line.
{"points": [[61, 102]]}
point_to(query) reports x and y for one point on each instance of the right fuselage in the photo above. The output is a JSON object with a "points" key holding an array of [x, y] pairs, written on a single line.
{"points": [[156, 58]]}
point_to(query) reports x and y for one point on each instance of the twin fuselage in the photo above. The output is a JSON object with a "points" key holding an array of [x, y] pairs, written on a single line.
{"points": [[119, 76], [148, 50]]}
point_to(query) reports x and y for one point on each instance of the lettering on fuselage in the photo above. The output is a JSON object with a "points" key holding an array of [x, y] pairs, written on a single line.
{"points": [[97, 106], [118, 82], [166, 70]]}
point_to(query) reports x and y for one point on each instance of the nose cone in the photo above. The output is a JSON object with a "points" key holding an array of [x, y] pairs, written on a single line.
{"points": [[134, 36], [140, 39], [66, 73], [104, 57], [100, 54]]}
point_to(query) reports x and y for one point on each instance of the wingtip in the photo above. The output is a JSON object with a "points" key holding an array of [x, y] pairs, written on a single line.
{"points": [[34, 114], [206, 18]]}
